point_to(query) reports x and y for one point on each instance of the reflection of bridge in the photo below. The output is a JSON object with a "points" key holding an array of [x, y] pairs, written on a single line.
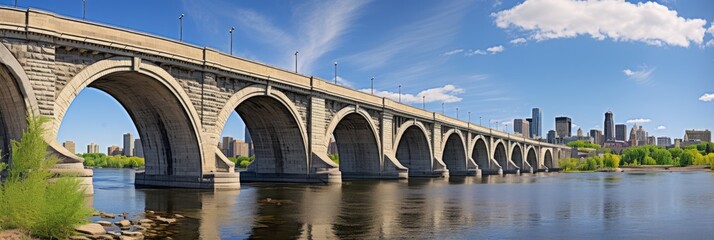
{"points": [[180, 96]]}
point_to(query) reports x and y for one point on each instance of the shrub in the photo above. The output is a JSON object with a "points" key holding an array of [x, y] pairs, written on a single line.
{"points": [[649, 161], [29, 201], [335, 158], [611, 160]]}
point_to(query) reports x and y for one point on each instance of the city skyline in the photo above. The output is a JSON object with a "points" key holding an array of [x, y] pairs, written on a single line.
{"points": [[473, 61]]}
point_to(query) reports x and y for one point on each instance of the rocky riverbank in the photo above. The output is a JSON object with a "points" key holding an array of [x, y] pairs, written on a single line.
{"points": [[125, 226]]}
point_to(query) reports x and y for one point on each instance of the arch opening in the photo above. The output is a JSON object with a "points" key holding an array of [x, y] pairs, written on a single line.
{"points": [[169, 141], [357, 146], [455, 155], [501, 157], [12, 112], [548, 159], [274, 136], [480, 154], [413, 151], [517, 157], [532, 159]]}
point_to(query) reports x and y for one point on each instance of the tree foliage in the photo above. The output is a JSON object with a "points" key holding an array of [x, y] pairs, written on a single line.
{"points": [[104, 161], [29, 200], [583, 144], [335, 158], [242, 161]]}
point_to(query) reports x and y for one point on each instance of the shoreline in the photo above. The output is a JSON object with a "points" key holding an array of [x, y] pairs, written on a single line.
{"points": [[696, 168]]}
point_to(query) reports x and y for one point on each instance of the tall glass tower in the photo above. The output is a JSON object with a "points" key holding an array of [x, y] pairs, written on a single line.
{"points": [[536, 130], [609, 126]]}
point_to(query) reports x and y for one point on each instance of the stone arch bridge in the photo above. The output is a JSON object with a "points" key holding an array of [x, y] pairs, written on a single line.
{"points": [[179, 97]]}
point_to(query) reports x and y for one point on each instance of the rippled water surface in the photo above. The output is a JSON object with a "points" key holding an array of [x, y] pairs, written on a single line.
{"points": [[543, 206]]}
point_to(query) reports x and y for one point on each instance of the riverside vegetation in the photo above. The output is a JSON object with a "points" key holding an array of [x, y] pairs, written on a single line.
{"points": [[34, 200], [696, 154]]}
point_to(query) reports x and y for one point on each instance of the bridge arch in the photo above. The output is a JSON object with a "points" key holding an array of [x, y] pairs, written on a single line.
{"points": [[532, 158], [480, 153], [548, 158], [15, 87], [358, 143], [413, 148], [454, 152], [278, 133], [500, 154], [162, 112], [517, 155]]}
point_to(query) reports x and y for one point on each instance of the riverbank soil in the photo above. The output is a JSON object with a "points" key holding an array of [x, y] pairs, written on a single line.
{"points": [[697, 168], [12, 235]]}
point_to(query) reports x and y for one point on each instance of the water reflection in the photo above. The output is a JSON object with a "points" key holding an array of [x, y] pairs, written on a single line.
{"points": [[542, 205]]}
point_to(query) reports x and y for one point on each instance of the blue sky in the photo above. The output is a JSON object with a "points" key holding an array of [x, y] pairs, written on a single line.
{"points": [[648, 62]]}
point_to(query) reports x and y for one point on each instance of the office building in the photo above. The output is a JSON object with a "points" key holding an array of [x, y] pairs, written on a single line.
{"points": [[536, 123], [651, 140], [70, 146], [114, 150], [521, 126], [609, 132], [633, 135], [641, 136], [128, 145], [563, 126], [597, 136], [552, 136], [227, 146], [249, 141], [664, 141], [138, 149], [240, 148], [701, 135], [621, 132], [677, 142], [92, 148]]}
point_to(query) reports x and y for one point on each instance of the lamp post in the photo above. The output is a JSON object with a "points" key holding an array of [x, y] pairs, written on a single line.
{"points": [[442, 108], [231, 32], [335, 73], [372, 85], [400, 93], [457, 113], [181, 27], [84, 9], [479, 121], [296, 53], [423, 102], [15, 3]]}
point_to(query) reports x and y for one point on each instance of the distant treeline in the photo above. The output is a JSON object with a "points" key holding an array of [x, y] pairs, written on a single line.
{"points": [[104, 161]]}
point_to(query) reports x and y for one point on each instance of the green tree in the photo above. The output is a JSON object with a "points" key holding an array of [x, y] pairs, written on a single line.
{"points": [[335, 158], [29, 201], [611, 160], [583, 144], [662, 156]]}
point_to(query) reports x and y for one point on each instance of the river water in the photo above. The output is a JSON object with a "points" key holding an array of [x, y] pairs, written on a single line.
{"points": [[659, 205]]}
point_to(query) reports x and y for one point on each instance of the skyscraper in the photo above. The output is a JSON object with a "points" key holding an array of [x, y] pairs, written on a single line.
{"points": [[621, 132], [664, 141], [596, 134], [249, 141], [227, 146], [609, 127], [69, 145], [537, 123], [552, 136], [138, 149], [521, 126], [563, 126], [128, 149], [114, 150]]}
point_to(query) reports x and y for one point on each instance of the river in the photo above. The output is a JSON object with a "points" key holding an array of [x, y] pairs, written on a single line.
{"points": [[658, 205]]}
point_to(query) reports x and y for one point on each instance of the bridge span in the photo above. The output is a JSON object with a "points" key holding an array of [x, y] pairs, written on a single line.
{"points": [[179, 96]]}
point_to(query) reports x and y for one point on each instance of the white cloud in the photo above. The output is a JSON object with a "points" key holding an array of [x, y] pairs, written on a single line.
{"points": [[711, 29], [452, 52], [639, 120], [710, 43], [640, 76], [707, 97], [518, 41], [446, 94], [496, 3], [343, 82], [495, 49], [661, 127], [647, 22], [474, 52]]}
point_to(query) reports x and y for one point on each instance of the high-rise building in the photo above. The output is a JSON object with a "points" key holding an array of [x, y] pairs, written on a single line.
{"points": [[596, 134], [114, 150], [138, 149], [580, 132], [677, 142], [521, 126], [664, 141], [536, 123], [240, 148], [70, 146], [249, 141], [128, 145], [651, 140], [609, 132], [227, 146], [92, 148], [552, 136], [633, 135], [701, 135], [621, 132], [641, 136], [563, 126]]}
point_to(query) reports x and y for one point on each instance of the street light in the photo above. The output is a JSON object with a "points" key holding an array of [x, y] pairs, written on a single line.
{"points": [[181, 27], [84, 10], [457, 112], [442, 108], [296, 53], [335, 73], [400, 93], [15, 3], [372, 84], [423, 102], [231, 32], [479, 121]]}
